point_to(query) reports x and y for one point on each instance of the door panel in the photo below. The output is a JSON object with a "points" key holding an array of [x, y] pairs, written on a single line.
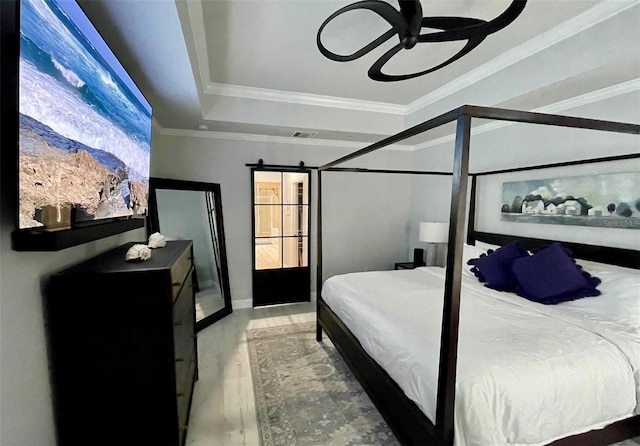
{"points": [[281, 286], [280, 236]]}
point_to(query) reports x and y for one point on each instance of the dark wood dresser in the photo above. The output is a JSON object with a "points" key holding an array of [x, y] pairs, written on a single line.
{"points": [[122, 348]]}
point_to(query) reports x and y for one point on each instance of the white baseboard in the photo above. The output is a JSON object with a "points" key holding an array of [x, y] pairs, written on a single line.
{"points": [[242, 303]]}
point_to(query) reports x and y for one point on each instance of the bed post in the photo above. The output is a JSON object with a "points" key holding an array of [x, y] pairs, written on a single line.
{"points": [[451, 308], [471, 222], [319, 258]]}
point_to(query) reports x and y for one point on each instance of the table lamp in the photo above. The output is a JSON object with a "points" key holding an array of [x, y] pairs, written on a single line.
{"points": [[433, 232]]}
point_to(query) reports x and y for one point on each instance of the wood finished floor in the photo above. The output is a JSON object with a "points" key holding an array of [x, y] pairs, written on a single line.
{"points": [[223, 408]]}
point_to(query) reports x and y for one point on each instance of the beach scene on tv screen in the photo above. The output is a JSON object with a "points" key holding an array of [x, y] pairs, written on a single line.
{"points": [[85, 128]]}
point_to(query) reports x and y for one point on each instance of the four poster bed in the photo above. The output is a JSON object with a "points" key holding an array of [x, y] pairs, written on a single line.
{"points": [[566, 374]]}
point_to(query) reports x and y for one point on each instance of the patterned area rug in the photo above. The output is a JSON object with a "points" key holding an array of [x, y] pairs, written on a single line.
{"points": [[306, 395]]}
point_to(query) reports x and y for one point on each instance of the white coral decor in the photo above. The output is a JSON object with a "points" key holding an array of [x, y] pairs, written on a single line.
{"points": [[138, 252], [157, 240]]}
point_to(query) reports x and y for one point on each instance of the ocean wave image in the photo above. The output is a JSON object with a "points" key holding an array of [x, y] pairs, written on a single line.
{"points": [[75, 97]]}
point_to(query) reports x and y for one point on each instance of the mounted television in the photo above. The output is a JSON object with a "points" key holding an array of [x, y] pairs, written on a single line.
{"points": [[84, 130]]}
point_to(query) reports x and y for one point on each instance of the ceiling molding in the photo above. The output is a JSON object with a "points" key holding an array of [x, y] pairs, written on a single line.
{"points": [[196, 21], [290, 97], [568, 104], [198, 34], [593, 96], [597, 14], [228, 136], [591, 17]]}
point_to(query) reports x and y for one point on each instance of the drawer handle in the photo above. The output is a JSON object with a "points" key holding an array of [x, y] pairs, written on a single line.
{"points": [[179, 359], [183, 428], [179, 394], [176, 283], [177, 324]]}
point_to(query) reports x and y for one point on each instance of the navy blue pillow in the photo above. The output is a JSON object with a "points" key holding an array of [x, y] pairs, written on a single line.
{"points": [[494, 268], [551, 276]]}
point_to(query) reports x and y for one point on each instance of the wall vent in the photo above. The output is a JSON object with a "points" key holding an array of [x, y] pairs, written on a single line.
{"points": [[299, 134]]}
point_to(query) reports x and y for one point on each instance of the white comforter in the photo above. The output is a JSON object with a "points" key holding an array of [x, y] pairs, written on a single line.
{"points": [[527, 373]]}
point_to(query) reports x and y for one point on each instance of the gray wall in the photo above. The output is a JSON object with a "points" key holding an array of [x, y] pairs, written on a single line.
{"points": [[370, 207], [521, 145], [26, 417]]}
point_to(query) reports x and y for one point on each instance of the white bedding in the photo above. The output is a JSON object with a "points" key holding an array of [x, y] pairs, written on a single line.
{"points": [[527, 373]]}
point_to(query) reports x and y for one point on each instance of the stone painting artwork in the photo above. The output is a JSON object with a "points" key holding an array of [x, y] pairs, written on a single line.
{"points": [[607, 200]]}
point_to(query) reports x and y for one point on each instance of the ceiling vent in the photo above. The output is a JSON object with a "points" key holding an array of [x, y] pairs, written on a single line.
{"points": [[304, 134]]}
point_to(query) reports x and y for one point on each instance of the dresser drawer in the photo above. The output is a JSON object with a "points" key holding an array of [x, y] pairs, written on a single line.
{"points": [[184, 388], [180, 269], [184, 374], [184, 322], [183, 305]]}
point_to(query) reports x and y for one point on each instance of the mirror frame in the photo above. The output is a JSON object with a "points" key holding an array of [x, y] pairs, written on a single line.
{"points": [[153, 225]]}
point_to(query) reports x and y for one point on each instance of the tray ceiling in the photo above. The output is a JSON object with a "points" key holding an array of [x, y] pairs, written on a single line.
{"points": [[253, 68]]}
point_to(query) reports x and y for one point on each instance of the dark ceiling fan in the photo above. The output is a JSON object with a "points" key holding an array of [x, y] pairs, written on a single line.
{"points": [[407, 24]]}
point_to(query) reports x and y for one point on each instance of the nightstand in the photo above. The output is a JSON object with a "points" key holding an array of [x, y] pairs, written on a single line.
{"points": [[408, 265]]}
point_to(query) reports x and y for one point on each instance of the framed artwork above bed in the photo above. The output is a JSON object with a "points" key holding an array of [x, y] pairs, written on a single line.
{"points": [[606, 201]]}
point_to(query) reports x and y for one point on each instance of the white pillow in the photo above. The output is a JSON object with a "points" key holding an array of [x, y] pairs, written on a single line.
{"points": [[470, 252], [484, 246]]}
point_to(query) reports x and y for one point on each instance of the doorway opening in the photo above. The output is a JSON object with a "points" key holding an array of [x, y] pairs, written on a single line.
{"points": [[281, 272]]}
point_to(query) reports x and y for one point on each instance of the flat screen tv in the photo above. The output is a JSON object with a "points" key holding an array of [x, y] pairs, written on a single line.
{"points": [[84, 127]]}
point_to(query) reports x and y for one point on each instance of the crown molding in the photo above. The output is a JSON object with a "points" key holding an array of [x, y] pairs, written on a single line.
{"points": [[568, 104], [593, 96], [196, 21], [228, 136], [591, 17], [290, 97], [594, 15], [561, 106]]}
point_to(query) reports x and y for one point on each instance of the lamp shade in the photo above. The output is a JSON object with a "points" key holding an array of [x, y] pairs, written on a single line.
{"points": [[433, 232]]}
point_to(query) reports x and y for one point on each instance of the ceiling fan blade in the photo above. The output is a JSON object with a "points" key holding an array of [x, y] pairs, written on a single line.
{"points": [[445, 23], [361, 52], [508, 16], [451, 27], [384, 10], [464, 28], [409, 22], [375, 72]]}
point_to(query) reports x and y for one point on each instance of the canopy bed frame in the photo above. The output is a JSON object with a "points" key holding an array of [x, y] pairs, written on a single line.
{"points": [[410, 425]]}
